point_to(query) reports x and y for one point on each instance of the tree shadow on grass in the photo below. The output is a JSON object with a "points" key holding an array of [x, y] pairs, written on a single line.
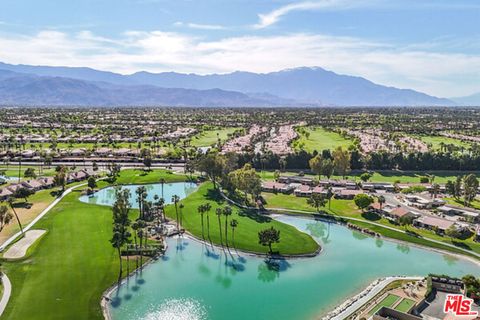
{"points": [[462, 245], [371, 216]]}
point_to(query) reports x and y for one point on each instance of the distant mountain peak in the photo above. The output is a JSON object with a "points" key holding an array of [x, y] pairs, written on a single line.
{"points": [[302, 86]]}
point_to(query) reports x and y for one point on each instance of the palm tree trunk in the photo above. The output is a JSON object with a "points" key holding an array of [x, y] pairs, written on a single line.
{"points": [[16, 216], [120, 260], [203, 235], [226, 230], [220, 230]]}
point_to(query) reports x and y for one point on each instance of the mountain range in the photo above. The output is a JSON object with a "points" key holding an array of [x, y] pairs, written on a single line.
{"points": [[45, 85]]}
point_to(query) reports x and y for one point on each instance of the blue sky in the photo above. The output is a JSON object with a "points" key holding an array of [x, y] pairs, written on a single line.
{"points": [[432, 46]]}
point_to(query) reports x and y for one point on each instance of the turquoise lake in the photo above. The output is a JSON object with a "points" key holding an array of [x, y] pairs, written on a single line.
{"points": [[107, 196], [194, 281]]}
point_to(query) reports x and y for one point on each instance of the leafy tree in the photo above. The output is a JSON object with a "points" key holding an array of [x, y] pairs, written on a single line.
{"points": [[30, 173], [363, 201], [470, 187], [365, 176], [269, 236], [316, 165], [212, 164], [450, 188], [341, 160], [458, 187], [327, 167], [5, 216], [10, 203], [92, 184], [23, 193], [453, 232], [317, 200], [405, 221], [60, 178]]}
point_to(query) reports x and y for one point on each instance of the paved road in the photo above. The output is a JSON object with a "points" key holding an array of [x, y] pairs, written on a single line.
{"points": [[7, 291], [40, 216]]}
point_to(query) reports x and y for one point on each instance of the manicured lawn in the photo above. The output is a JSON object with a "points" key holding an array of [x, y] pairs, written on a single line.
{"points": [[132, 176], [405, 305], [390, 176], [210, 137], [475, 204], [12, 171], [73, 265], [436, 140], [249, 224], [388, 301], [67, 272], [320, 139]]}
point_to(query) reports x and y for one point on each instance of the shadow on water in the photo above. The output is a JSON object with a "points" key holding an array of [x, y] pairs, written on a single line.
{"points": [[403, 248], [450, 260], [270, 270]]}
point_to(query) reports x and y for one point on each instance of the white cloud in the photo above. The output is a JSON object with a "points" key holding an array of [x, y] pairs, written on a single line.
{"points": [[274, 16], [199, 26], [439, 73]]}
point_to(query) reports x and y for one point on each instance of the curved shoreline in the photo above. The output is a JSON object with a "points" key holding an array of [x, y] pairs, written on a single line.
{"points": [[110, 290]]}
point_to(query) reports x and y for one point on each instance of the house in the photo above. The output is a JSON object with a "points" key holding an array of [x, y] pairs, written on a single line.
{"points": [[34, 185], [5, 194], [347, 194], [422, 202], [320, 190], [397, 213], [28, 153], [433, 223], [78, 152], [271, 186], [297, 179], [47, 182], [386, 313], [103, 152], [122, 152], [14, 187], [467, 213], [371, 186], [303, 191]]}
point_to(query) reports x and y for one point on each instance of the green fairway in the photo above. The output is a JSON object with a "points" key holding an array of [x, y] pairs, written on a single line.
{"points": [[210, 137], [64, 276], [435, 142], [388, 301], [405, 305], [320, 139], [132, 176], [12, 171], [249, 223]]}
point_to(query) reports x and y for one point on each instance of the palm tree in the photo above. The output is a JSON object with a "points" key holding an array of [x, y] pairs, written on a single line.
{"points": [[208, 207], [219, 213], [381, 201], [175, 200], [162, 183], [226, 212], [10, 202], [233, 224], [141, 196], [181, 206], [201, 211]]}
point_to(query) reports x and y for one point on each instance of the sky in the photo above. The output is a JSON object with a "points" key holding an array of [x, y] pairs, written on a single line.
{"points": [[431, 46]]}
